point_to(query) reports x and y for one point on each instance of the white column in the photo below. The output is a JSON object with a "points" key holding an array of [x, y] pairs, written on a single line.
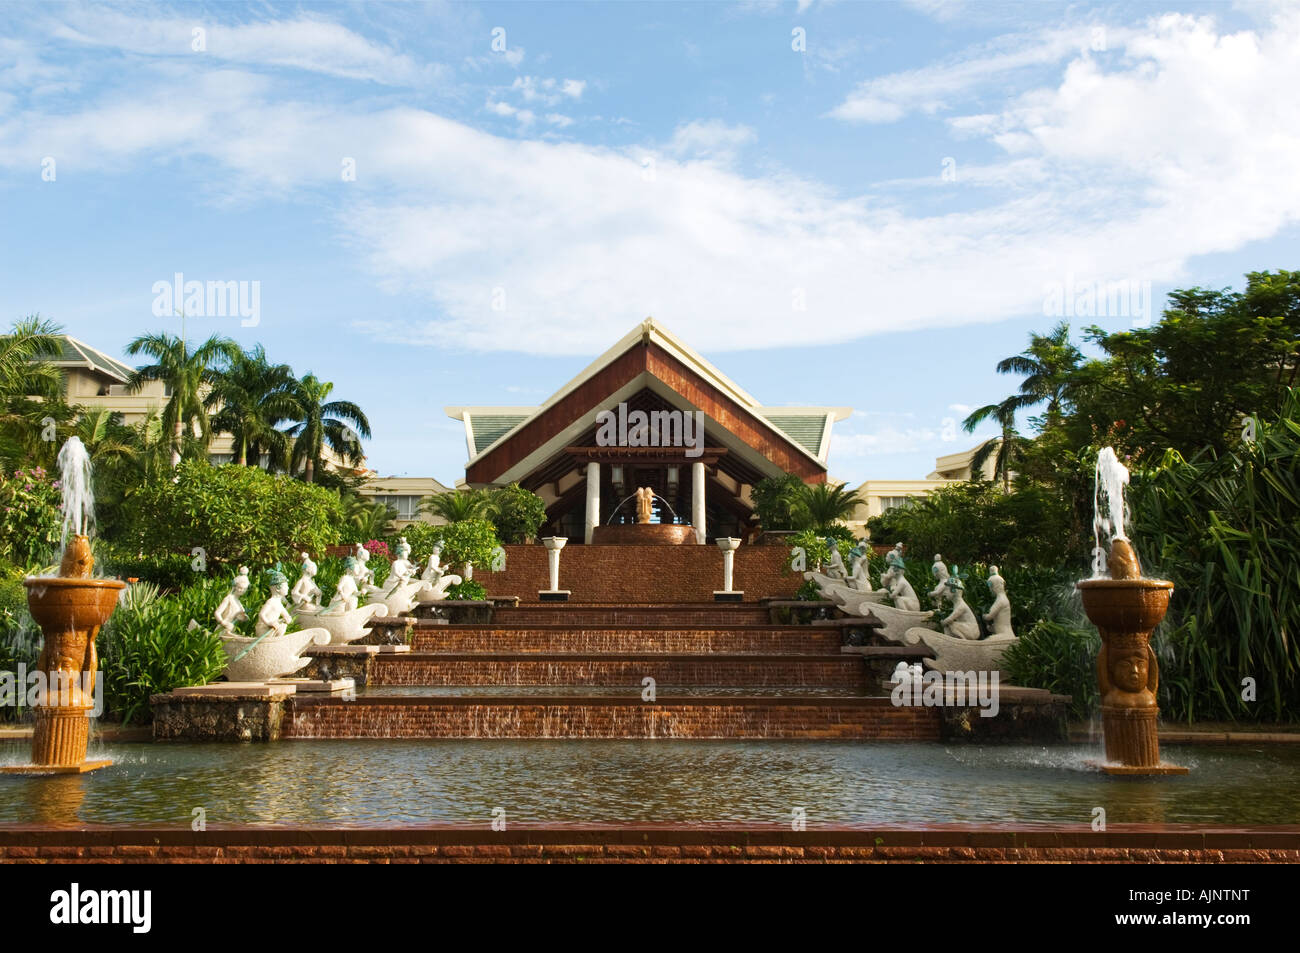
{"points": [[593, 499], [697, 501]]}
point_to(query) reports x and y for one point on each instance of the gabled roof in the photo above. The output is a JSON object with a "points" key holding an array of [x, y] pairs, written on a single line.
{"points": [[805, 429], [74, 353]]}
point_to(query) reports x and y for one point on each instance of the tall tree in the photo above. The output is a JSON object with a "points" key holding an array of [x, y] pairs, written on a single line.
{"points": [[250, 398], [1005, 446], [322, 423], [1048, 366], [31, 388], [457, 505], [187, 374], [821, 505]]}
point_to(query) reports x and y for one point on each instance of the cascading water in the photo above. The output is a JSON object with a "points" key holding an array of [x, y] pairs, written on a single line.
{"points": [[75, 485], [1109, 510]]}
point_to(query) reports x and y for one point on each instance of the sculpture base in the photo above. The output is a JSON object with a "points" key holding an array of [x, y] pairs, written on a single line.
{"points": [[1126, 770], [48, 769], [728, 595], [553, 595], [656, 534]]}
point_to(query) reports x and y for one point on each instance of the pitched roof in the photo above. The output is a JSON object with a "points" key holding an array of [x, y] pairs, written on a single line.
{"points": [[805, 428], [74, 353]]}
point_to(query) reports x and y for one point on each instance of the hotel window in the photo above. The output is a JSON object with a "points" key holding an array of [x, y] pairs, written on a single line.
{"points": [[893, 502], [408, 507]]}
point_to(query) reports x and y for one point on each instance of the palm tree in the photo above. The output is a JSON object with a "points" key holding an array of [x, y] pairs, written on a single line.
{"points": [[822, 505], [457, 505], [1048, 366], [31, 388], [187, 375], [251, 398], [322, 423], [1007, 445], [105, 437], [369, 519]]}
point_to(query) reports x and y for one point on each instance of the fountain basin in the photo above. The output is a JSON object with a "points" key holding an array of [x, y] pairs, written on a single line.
{"points": [[343, 627], [1125, 605], [645, 534]]}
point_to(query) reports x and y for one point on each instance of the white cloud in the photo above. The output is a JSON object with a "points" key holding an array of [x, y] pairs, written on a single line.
{"points": [[307, 43], [1179, 147], [709, 139], [547, 90]]}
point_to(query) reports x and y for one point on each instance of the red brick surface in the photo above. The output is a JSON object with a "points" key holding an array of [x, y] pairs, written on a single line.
{"points": [[844, 672], [609, 717], [652, 844], [642, 574], [778, 640]]}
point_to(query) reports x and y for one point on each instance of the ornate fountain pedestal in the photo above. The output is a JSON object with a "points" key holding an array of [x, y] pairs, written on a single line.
{"points": [[1126, 609], [69, 608]]}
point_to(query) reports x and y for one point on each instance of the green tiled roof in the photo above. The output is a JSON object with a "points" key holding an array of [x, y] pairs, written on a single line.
{"points": [[75, 352], [489, 428], [804, 429]]}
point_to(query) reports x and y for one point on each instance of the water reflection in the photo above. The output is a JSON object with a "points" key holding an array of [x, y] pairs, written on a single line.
{"points": [[367, 782]]}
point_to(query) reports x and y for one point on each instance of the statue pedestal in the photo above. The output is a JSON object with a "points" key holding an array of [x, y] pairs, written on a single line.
{"points": [[553, 595]]}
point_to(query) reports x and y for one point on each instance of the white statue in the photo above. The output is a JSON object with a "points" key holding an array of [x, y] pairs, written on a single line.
{"points": [[402, 569], [435, 577], [905, 674], [835, 568], [346, 592], [306, 594], [961, 623], [940, 572], [365, 575], [231, 610], [999, 615], [859, 577], [434, 569], [273, 617]]}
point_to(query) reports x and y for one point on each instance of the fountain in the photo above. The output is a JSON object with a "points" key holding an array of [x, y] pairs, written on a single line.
{"points": [[70, 608], [644, 531], [1125, 607]]}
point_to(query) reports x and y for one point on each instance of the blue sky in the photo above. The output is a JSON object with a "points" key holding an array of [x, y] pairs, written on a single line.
{"points": [[863, 204]]}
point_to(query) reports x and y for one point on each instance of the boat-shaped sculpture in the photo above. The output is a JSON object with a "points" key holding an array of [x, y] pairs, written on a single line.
{"points": [[343, 626], [273, 656]]}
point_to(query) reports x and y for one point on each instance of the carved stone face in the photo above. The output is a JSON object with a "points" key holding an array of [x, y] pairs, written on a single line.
{"points": [[240, 586], [280, 589], [1129, 671]]}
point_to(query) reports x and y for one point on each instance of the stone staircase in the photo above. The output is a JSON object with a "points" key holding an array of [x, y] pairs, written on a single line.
{"points": [[582, 671]]}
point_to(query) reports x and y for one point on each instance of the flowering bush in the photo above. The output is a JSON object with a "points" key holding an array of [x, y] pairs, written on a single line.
{"points": [[377, 547], [30, 519]]}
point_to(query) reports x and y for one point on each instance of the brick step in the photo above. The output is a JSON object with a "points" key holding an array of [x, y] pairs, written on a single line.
{"points": [[845, 672], [561, 639], [524, 716], [685, 614]]}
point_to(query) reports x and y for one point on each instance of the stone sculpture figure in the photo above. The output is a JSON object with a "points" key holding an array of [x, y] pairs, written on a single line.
{"points": [[273, 617], [365, 575], [961, 622], [940, 572], [306, 594], [402, 569], [1128, 673], [645, 501], [835, 568], [859, 577], [999, 615], [346, 592], [231, 610], [434, 569]]}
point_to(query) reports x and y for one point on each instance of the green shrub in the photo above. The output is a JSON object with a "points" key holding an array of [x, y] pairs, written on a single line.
{"points": [[776, 501], [1059, 657], [471, 541], [236, 515], [469, 589], [30, 520], [422, 537], [147, 647], [809, 592], [516, 513], [165, 570]]}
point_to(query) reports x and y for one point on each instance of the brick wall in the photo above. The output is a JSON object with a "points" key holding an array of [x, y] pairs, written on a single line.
{"points": [[609, 717], [522, 843], [844, 673], [642, 574], [779, 640]]}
